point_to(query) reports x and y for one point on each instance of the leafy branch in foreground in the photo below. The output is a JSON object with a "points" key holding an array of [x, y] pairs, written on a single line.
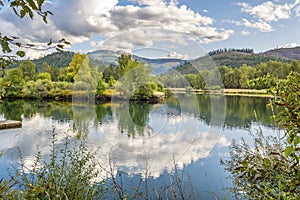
{"points": [[271, 169], [24, 8]]}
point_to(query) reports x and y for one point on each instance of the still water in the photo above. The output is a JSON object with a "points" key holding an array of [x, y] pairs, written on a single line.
{"points": [[193, 131]]}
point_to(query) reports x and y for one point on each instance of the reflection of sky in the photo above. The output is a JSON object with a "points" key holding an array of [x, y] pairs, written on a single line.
{"points": [[195, 146], [175, 137], [180, 137]]}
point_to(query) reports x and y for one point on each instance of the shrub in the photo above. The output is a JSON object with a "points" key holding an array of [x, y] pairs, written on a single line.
{"points": [[271, 170], [43, 76], [70, 173]]}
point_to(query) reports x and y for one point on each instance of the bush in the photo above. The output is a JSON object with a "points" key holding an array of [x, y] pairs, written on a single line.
{"points": [[144, 92], [63, 85], [43, 76], [271, 169], [70, 173], [82, 86]]}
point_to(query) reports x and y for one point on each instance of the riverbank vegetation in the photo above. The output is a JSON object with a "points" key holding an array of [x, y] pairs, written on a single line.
{"points": [[270, 169], [82, 78], [262, 76]]}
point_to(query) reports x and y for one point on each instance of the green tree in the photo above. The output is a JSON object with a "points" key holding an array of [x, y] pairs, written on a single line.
{"points": [[29, 69], [108, 73], [246, 74], [43, 76], [124, 63], [52, 70], [132, 74], [68, 74], [295, 66], [13, 82]]}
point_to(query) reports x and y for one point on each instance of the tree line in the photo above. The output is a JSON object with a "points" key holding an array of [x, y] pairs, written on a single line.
{"points": [[262, 76], [219, 51], [82, 77]]}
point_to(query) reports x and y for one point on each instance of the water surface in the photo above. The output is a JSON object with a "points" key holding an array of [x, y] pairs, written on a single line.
{"points": [[192, 131]]}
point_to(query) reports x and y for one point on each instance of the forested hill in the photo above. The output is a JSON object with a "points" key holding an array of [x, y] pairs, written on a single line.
{"points": [[233, 58], [236, 58], [57, 59]]}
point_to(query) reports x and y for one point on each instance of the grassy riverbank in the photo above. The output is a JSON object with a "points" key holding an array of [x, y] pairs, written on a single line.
{"points": [[238, 92]]}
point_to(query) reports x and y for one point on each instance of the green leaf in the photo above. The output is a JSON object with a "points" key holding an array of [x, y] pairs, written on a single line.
{"points": [[22, 13], [30, 14], [45, 19], [50, 42], [296, 140], [40, 3], [32, 4], [5, 46], [266, 162], [288, 151], [60, 46], [20, 53]]}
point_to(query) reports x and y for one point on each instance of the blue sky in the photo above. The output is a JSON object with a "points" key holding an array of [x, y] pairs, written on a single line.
{"points": [[164, 28]]}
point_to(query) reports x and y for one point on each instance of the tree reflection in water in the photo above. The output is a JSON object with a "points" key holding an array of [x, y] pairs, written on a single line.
{"points": [[133, 118]]}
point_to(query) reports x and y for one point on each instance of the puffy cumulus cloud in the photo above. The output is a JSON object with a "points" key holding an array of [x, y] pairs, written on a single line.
{"points": [[168, 14], [268, 12], [147, 22], [81, 18], [215, 36], [141, 37], [260, 25], [149, 2]]}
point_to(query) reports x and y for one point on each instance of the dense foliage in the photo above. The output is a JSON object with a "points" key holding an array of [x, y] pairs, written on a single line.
{"points": [[81, 78], [56, 59], [271, 170], [262, 76]]}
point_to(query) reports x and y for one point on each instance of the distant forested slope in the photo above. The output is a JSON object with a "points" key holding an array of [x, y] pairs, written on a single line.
{"points": [[57, 59]]}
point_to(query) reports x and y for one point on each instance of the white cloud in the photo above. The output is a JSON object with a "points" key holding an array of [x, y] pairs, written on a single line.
{"points": [[177, 55], [268, 12], [245, 32], [260, 25], [290, 45], [78, 21], [235, 22]]}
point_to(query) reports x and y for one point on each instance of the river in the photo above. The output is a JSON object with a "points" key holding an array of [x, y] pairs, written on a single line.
{"points": [[190, 131]]}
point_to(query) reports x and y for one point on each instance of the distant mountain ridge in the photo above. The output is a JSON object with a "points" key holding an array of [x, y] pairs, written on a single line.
{"points": [[160, 65], [284, 53], [231, 59]]}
